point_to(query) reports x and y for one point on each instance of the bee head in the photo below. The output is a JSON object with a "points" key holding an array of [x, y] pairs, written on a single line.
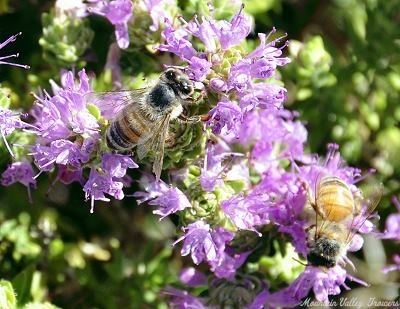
{"points": [[324, 253], [179, 82]]}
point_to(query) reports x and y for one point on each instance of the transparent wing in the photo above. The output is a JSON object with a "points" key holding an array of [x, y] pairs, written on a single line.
{"points": [[368, 207], [111, 103], [154, 142]]}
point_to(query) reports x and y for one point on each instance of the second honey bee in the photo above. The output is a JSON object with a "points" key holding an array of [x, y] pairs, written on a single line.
{"points": [[143, 121], [333, 210]]}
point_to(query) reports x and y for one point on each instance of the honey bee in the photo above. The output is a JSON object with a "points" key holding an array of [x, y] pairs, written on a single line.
{"points": [[144, 118], [333, 210]]}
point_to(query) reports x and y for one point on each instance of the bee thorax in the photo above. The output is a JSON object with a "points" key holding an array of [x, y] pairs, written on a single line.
{"points": [[162, 97]]}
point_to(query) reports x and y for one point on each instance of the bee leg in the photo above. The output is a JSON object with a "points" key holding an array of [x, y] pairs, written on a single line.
{"points": [[193, 119], [198, 98], [306, 187], [311, 200], [308, 228], [170, 140]]}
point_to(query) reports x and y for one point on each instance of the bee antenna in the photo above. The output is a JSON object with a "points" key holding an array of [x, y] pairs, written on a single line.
{"points": [[300, 262], [365, 175]]}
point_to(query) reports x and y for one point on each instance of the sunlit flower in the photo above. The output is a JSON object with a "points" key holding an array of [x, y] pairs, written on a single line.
{"points": [[168, 198], [109, 180], [118, 12]]}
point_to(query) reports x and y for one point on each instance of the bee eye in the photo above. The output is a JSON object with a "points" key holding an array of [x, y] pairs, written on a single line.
{"points": [[171, 75], [184, 87]]}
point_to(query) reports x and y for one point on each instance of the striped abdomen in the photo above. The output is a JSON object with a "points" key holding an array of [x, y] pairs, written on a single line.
{"points": [[124, 133], [334, 199]]}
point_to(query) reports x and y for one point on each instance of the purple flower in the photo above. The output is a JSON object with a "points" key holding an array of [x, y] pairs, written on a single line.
{"points": [[272, 135], [215, 169], [2, 58], [98, 184], [263, 95], [280, 198], [158, 11], [234, 32], [21, 172], [118, 12], [333, 166], [168, 198], [192, 277], [228, 263], [198, 242], [116, 165], [260, 64], [227, 34], [9, 121], [246, 212], [183, 300], [109, 180], [209, 245], [199, 68], [259, 301], [392, 224], [218, 84], [225, 117], [67, 175], [60, 151], [322, 282], [65, 115], [177, 42], [393, 267], [268, 51], [205, 31]]}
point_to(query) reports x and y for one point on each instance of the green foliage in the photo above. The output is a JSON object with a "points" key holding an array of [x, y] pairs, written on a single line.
{"points": [[345, 88], [65, 38]]}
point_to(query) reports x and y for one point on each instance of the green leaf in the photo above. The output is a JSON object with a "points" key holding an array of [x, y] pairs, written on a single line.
{"points": [[23, 283]]}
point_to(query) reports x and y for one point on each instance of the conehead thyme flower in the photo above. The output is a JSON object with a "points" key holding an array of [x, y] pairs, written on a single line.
{"points": [[239, 182], [69, 142]]}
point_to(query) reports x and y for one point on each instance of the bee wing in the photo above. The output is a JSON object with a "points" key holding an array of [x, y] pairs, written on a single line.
{"points": [[369, 206], [154, 141], [111, 103]]}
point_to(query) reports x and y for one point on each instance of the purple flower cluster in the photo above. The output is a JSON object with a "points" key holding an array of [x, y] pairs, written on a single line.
{"points": [[120, 13], [68, 142], [249, 116]]}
